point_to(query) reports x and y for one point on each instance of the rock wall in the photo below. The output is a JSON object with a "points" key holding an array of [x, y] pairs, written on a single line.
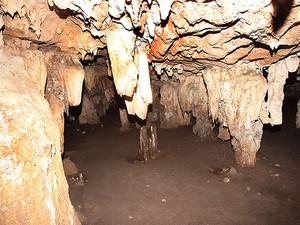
{"points": [[99, 93], [183, 98], [33, 186], [171, 116], [65, 76]]}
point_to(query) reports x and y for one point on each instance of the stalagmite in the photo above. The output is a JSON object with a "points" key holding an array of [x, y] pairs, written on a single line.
{"points": [[224, 133], [148, 143], [298, 115], [246, 143], [88, 113], [125, 125]]}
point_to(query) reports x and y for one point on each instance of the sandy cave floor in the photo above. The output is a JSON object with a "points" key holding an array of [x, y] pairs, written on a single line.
{"points": [[179, 188]]}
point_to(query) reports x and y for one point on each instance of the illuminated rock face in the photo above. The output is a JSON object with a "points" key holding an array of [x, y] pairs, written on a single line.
{"points": [[207, 57], [33, 186]]}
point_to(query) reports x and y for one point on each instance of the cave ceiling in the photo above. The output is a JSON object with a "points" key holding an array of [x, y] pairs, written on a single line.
{"points": [[175, 37], [216, 32]]}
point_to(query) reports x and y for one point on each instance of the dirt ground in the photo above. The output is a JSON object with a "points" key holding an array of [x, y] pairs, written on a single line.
{"points": [[180, 187]]}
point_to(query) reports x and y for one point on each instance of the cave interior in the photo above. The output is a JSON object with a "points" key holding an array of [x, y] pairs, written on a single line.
{"points": [[149, 112]]}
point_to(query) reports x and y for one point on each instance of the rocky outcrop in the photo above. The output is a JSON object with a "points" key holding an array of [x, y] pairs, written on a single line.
{"points": [[33, 186], [65, 76]]}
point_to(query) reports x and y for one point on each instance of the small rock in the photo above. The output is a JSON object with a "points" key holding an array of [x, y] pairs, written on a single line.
{"points": [[226, 180], [163, 200], [218, 170], [275, 175], [83, 132], [248, 189], [148, 185], [277, 165], [232, 171], [130, 217], [69, 167], [258, 193]]}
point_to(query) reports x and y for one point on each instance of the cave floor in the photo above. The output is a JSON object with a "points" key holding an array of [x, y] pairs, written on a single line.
{"points": [[181, 187]]}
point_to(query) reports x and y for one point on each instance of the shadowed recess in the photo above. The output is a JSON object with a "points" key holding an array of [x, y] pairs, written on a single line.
{"points": [[282, 9]]}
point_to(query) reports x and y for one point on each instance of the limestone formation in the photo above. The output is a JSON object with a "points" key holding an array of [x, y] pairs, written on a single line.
{"points": [[64, 85], [222, 62], [171, 115], [277, 75], [98, 93], [33, 186], [236, 100]]}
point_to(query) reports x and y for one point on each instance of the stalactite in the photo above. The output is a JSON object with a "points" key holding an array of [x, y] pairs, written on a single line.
{"points": [[236, 97], [277, 75]]}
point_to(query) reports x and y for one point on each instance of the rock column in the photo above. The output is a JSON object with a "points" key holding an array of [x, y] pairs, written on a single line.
{"points": [[236, 101]]}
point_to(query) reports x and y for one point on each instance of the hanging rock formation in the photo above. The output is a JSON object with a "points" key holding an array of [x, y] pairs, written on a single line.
{"points": [[236, 100], [215, 61]]}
